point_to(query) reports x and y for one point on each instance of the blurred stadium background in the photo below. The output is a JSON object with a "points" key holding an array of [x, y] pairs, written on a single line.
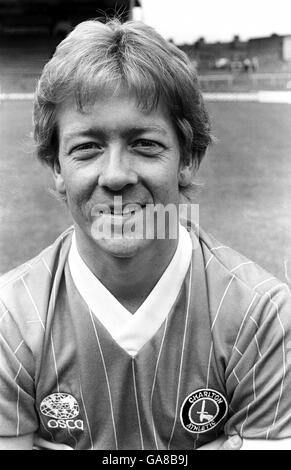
{"points": [[245, 196]]}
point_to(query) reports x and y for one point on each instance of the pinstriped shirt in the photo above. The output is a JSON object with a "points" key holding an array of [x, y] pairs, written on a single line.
{"points": [[217, 363]]}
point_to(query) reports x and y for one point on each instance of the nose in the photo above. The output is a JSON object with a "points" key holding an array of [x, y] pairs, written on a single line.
{"points": [[117, 171]]}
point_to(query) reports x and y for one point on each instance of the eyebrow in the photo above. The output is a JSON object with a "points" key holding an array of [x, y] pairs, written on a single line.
{"points": [[103, 131]]}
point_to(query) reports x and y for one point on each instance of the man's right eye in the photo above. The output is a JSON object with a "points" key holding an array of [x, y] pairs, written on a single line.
{"points": [[87, 146]]}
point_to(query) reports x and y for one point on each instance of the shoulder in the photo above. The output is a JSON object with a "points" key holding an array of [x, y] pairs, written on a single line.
{"points": [[241, 295], [44, 257], [222, 262], [27, 299], [28, 286]]}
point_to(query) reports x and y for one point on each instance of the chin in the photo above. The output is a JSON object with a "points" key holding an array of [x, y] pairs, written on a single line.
{"points": [[121, 248]]}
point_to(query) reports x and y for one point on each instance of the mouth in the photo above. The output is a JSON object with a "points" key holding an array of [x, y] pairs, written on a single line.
{"points": [[127, 210]]}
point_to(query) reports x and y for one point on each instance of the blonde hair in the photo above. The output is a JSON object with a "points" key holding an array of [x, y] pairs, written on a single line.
{"points": [[97, 57]]}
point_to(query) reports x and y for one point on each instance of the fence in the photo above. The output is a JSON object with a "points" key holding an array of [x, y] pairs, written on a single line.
{"points": [[245, 81]]}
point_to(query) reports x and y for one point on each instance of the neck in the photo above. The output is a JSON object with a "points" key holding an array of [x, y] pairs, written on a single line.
{"points": [[130, 279]]}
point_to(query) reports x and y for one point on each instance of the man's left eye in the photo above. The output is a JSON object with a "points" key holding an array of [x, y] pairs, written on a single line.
{"points": [[145, 144]]}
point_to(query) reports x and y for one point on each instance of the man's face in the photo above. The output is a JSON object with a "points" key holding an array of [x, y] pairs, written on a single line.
{"points": [[114, 149]]}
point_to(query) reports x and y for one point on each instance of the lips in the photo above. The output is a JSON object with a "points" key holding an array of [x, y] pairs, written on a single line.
{"points": [[125, 210]]}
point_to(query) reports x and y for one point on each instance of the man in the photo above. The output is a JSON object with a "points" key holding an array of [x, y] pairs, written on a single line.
{"points": [[133, 330]]}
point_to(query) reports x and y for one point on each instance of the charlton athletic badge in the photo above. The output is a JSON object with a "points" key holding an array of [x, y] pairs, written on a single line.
{"points": [[202, 410]]}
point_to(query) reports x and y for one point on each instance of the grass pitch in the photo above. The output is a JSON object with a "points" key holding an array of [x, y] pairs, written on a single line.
{"points": [[245, 197]]}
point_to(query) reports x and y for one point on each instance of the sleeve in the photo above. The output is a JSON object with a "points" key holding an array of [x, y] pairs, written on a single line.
{"points": [[17, 390], [258, 375]]}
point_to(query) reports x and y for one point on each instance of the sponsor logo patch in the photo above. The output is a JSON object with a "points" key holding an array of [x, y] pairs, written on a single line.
{"points": [[62, 408], [202, 410]]}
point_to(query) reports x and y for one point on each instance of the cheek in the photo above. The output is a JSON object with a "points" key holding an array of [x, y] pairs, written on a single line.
{"points": [[166, 189], [166, 178], [79, 184]]}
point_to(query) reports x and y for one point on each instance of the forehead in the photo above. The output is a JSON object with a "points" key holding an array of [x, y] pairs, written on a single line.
{"points": [[118, 112]]}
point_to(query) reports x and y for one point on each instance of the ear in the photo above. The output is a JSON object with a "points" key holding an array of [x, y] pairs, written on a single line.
{"points": [[58, 178], [188, 169]]}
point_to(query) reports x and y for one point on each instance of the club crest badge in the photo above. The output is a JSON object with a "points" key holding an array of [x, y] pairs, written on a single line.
{"points": [[203, 410]]}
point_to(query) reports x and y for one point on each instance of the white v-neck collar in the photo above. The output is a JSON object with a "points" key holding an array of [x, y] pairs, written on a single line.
{"points": [[132, 331]]}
